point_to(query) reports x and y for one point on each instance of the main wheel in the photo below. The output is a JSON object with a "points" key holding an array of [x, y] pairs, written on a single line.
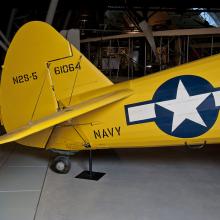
{"points": [[61, 164]]}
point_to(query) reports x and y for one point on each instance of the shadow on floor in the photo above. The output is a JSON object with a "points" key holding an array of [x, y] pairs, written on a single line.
{"points": [[208, 154]]}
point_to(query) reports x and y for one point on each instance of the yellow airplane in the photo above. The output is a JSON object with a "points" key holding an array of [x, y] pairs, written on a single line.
{"points": [[53, 98]]}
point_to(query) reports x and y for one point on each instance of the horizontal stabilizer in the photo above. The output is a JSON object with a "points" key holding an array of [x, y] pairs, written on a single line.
{"points": [[64, 115]]}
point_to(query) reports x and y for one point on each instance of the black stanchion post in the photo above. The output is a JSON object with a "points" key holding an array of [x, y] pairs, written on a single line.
{"points": [[90, 163], [89, 174]]}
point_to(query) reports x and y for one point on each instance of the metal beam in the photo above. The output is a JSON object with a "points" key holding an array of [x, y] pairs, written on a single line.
{"points": [[51, 11], [4, 38], [10, 22], [68, 16], [3, 46], [169, 9], [168, 33]]}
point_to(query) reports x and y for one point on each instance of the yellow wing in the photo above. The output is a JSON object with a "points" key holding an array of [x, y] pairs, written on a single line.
{"points": [[64, 115]]}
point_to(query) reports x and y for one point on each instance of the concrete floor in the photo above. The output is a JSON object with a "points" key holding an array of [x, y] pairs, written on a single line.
{"points": [[154, 184]]}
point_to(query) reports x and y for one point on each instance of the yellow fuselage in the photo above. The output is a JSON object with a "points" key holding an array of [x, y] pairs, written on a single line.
{"points": [[107, 127]]}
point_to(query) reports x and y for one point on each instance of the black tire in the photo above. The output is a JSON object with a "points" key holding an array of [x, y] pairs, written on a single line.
{"points": [[61, 164]]}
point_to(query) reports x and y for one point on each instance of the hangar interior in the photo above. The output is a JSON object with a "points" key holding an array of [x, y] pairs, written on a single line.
{"points": [[125, 40]]}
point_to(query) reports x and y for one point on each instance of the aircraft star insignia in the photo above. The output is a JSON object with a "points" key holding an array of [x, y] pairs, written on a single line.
{"points": [[184, 106]]}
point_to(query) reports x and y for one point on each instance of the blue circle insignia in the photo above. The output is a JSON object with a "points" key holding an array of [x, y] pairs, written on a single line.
{"points": [[185, 106]]}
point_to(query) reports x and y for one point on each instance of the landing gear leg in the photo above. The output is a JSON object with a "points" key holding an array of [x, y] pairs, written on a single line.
{"points": [[61, 164]]}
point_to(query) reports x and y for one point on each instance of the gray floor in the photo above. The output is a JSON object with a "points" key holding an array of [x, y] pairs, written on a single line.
{"points": [[140, 184]]}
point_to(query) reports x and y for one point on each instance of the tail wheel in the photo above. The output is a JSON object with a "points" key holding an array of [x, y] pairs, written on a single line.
{"points": [[61, 164]]}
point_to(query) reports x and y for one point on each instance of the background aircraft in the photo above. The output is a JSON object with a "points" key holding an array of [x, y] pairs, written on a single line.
{"points": [[53, 98]]}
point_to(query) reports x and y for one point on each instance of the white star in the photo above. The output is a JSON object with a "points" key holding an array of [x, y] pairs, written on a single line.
{"points": [[184, 107]]}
